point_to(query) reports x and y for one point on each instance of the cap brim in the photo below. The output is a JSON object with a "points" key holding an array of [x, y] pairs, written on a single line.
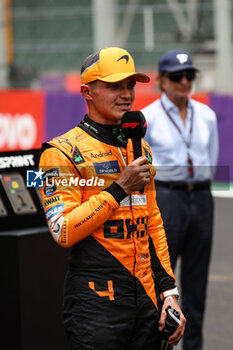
{"points": [[183, 67], [114, 78]]}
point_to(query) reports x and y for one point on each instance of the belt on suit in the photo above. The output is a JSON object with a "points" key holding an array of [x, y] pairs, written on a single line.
{"points": [[184, 186]]}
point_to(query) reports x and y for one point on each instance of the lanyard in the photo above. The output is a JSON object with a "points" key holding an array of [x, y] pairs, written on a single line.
{"points": [[187, 143]]}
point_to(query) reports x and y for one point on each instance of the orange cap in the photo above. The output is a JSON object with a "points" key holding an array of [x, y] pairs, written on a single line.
{"points": [[111, 64]]}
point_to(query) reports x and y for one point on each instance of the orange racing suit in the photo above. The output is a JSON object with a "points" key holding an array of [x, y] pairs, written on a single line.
{"points": [[110, 287]]}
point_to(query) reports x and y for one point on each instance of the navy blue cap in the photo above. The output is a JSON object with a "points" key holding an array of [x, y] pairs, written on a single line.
{"points": [[175, 60]]}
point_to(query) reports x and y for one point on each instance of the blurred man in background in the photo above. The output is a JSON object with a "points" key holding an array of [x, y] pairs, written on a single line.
{"points": [[109, 298], [183, 137]]}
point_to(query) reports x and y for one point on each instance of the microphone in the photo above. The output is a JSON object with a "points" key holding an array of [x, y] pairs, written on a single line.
{"points": [[133, 126]]}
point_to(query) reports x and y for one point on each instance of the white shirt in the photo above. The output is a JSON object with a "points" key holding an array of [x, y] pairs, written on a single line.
{"points": [[168, 146]]}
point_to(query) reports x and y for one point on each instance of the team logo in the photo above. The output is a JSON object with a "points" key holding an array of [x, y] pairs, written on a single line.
{"points": [[126, 57], [35, 178], [182, 58]]}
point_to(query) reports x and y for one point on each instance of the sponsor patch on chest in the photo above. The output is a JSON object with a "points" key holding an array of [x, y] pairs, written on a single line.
{"points": [[102, 154], [111, 167]]}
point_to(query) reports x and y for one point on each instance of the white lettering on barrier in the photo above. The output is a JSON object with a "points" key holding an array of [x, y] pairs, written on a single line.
{"points": [[17, 131], [17, 161]]}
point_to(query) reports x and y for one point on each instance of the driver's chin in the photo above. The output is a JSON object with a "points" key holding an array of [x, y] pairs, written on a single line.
{"points": [[120, 113], [116, 117]]}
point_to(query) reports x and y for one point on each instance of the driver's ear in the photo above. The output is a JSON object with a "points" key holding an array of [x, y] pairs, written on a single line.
{"points": [[86, 91]]}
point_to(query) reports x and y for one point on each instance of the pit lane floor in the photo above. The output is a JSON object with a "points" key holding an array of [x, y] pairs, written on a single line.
{"points": [[218, 326]]}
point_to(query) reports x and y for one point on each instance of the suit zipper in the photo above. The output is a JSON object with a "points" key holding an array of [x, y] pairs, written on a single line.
{"points": [[131, 208]]}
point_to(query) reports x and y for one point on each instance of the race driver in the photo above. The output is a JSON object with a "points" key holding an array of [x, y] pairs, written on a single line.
{"points": [[93, 205]]}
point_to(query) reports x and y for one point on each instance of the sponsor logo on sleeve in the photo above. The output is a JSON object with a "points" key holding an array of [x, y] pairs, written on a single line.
{"points": [[49, 190], [111, 167], [52, 200], [54, 210], [50, 186], [55, 225], [64, 237]]}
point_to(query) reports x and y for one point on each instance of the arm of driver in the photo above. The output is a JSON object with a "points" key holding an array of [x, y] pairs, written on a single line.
{"points": [[77, 219]]}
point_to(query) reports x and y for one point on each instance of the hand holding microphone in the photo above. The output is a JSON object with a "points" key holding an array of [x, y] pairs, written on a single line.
{"points": [[137, 174]]}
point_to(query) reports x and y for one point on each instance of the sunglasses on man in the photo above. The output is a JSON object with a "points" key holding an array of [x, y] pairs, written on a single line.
{"points": [[177, 76]]}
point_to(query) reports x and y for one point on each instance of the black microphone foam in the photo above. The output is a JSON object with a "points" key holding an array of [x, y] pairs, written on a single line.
{"points": [[133, 125]]}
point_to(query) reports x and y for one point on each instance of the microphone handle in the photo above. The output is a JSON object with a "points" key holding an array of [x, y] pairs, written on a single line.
{"points": [[137, 151], [137, 148]]}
